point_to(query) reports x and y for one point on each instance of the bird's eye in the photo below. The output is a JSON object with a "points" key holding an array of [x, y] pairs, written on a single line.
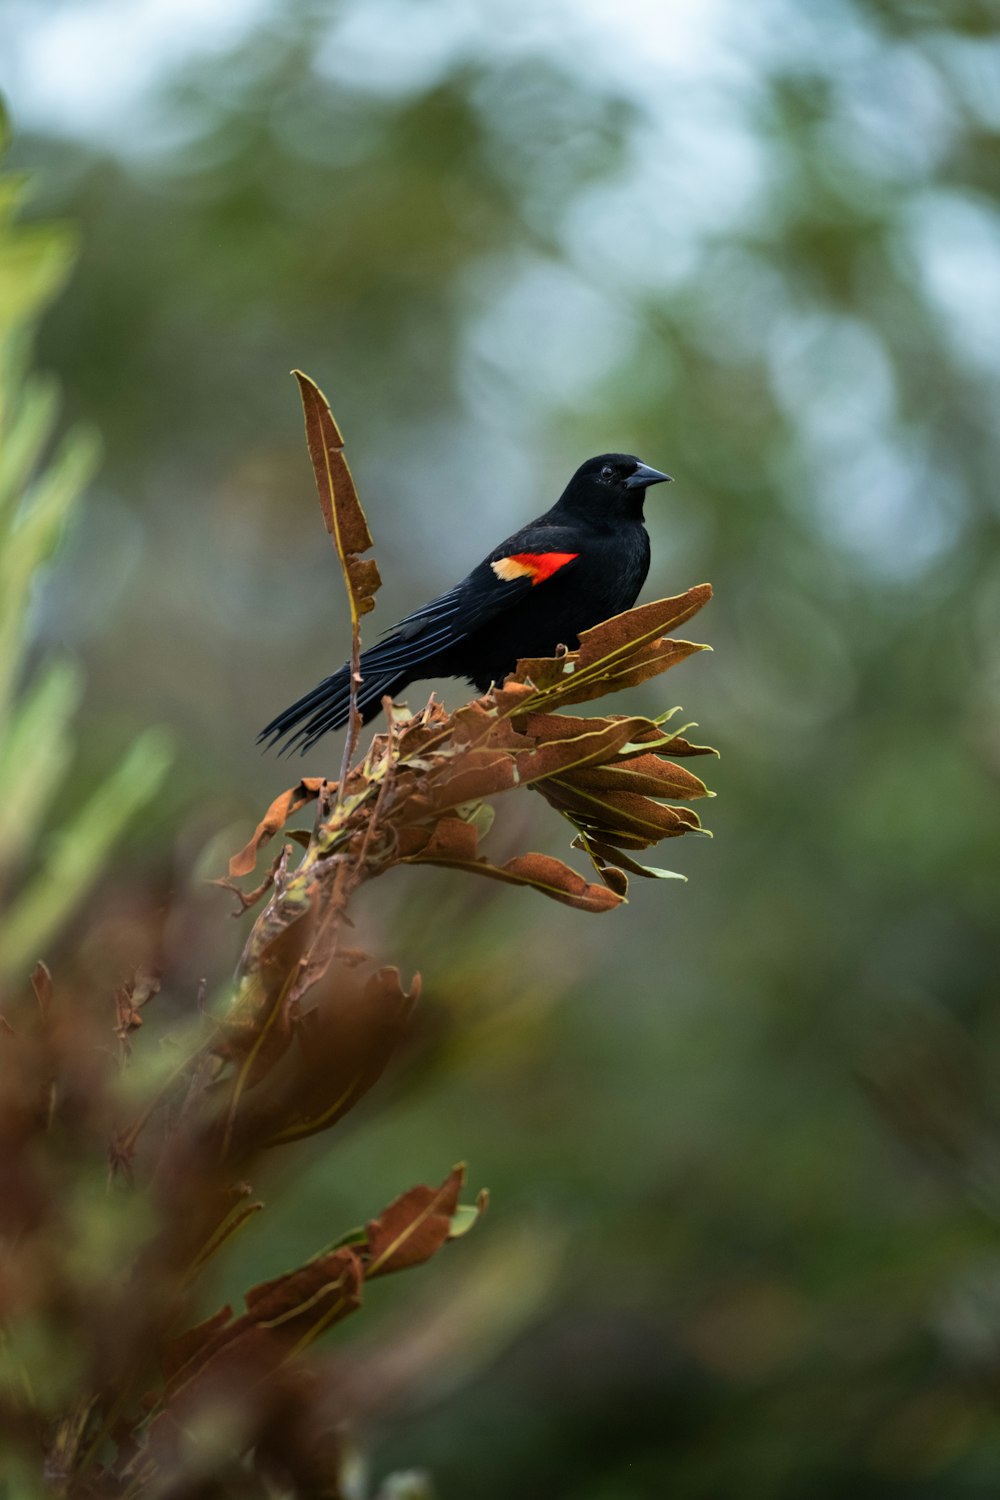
{"points": [[607, 471]]}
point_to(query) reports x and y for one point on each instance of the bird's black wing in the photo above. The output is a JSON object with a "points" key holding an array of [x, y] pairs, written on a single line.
{"points": [[526, 560]]}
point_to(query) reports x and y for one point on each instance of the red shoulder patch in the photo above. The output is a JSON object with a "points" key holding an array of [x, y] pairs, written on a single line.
{"points": [[534, 565]]}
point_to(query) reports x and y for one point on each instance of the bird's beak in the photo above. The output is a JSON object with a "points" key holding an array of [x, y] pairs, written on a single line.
{"points": [[644, 476]]}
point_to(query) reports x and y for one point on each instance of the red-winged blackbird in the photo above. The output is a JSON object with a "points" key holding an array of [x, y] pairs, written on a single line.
{"points": [[582, 562]]}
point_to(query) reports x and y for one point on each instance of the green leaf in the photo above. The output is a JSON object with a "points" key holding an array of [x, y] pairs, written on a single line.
{"points": [[34, 755], [465, 1215], [34, 265], [355, 1236], [79, 852], [25, 432], [480, 814], [29, 542]]}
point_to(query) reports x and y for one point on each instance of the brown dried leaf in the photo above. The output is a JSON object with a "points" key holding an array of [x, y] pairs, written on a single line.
{"points": [[247, 899], [454, 844], [614, 876], [285, 1315], [612, 863], [678, 745], [524, 759], [549, 726], [648, 742], [262, 1005], [260, 1029], [509, 698], [298, 1306], [345, 520], [277, 815], [649, 775], [182, 1355], [553, 878], [413, 1228], [620, 652], [343, 1042], [129, 1000], [627, 670], [619, 817], [625, 633]]}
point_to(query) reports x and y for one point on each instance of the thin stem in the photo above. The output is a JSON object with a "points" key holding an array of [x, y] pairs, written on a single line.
{"points": [[353, 716]]}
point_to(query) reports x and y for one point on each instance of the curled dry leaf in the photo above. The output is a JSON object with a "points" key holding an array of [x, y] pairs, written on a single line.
{"points": [[649, 775], [347, 1030], [129, 1000], [412, 1228], [513, 759], [621, 652], [258, 1031], [678, 745], [277, 815], [338, 498], [304, 1044], [620, 817], [182, 1355], [454, 846]]}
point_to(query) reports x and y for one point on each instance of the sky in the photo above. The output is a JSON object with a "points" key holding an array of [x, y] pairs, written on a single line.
{"points": [[78, 66]]}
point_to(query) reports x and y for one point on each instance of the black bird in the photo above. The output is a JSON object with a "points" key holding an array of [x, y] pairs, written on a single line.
{"points": [[580, 563]]}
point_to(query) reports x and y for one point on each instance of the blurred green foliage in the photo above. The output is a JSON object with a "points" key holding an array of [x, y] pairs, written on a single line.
{"points": [[769, 1166], [36, 748]]}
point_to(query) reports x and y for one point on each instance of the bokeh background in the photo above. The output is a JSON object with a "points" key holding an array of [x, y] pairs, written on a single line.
{"points": [[743, 1135]]}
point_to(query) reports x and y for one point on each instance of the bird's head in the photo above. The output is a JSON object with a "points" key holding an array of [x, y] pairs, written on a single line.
{"points": [[610, 486]]}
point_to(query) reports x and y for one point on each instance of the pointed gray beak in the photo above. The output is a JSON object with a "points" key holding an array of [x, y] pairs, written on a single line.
{"points": [[644, 476]]}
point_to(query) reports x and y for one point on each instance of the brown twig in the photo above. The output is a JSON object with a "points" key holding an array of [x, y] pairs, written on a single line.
{"points": [[353, 716]]}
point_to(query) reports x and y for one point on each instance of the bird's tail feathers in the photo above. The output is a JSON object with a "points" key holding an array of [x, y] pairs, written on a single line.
{"points": [[328, 706], [413, 649]]}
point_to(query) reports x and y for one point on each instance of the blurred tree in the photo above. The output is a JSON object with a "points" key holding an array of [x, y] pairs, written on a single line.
{"points": [[775, 273]]}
